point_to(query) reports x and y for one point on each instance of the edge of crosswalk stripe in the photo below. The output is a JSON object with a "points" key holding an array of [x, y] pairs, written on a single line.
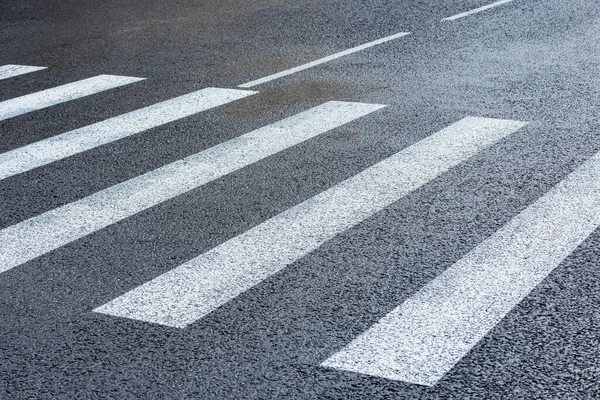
{"points": [[477, 10], [421, 340], [192, 290], [322, 60], [79, 140], [60, 94], [36, 236], [11, 70]]}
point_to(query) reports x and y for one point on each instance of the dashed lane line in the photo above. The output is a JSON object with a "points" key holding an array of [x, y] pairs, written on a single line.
{"points": [[322, 60], [476, 10]]}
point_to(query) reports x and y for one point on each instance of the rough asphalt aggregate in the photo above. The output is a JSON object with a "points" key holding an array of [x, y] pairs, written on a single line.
{"points": [[529, 60]]}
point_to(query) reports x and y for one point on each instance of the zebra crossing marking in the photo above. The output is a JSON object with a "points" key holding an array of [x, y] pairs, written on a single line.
{"points": [[60, 94], [79, 140], [422, 339], [10, 70], [192, 290], [36, 236]]}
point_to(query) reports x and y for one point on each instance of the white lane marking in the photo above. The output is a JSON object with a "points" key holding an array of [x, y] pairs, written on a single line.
{"points": [[60, 94], [429, 333], [322, 60], [9, 71], [46, 232], [476, 10], [58, 147], [194, 289]]}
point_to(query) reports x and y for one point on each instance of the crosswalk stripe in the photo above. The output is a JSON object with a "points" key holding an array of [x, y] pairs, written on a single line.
{"points": [[60, 94], [199, 286], [38, 235], [422, 339], [9, 71], [58, 147]]}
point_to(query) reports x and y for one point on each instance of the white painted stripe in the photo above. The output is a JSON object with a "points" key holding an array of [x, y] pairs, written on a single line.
{"points": [[86, 138], [194, 289], [429, 333], [9, 71], [476, 10], [60, 94], [322, 60], [36, 236]]}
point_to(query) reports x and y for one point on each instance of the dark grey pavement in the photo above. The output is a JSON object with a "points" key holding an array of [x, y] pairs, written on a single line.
{"points": [[528, 60]]}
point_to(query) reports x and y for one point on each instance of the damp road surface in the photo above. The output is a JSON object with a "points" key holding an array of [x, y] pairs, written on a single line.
{"points": [[318, 199]]}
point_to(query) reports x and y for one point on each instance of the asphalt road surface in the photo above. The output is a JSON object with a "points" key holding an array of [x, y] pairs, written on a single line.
{"points": [[317, 199]]}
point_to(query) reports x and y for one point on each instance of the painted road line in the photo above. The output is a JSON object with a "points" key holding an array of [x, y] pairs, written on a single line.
{"points": [[9, 71], [322, 60], [476, 10], [46, 232], [60, 94], [429, 333], [79, 140], [201, 285]]}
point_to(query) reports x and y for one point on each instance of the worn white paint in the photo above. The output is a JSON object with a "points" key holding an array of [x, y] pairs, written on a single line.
{"points": [[194, 289], [429, 333], [60, 94], [79, 140], [41, 234], [10, 70]]}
